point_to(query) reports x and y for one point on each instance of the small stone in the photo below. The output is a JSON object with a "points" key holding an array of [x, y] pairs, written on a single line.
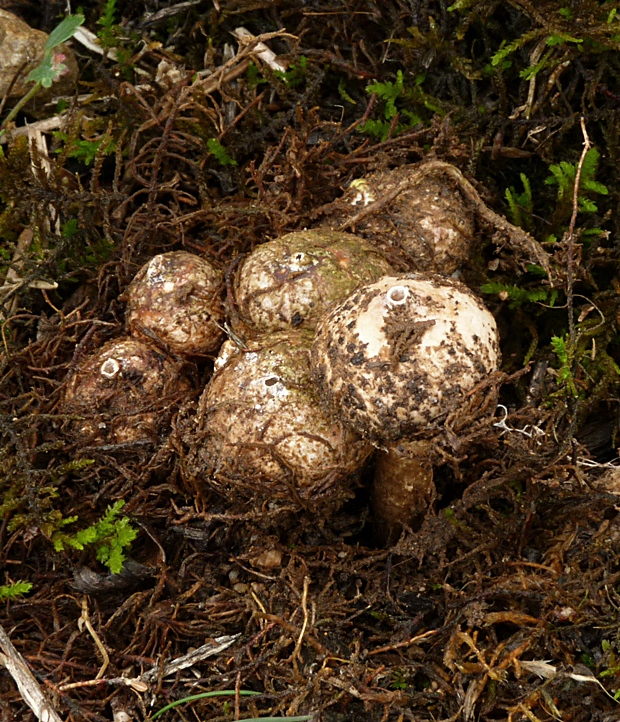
{"points": [[233, 575], [269, 559]]}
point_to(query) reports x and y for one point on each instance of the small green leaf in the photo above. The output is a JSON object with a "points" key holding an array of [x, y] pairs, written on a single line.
{"points": [[218, 150], [595, 187], [536, 270], [253, 76], [85, 537], [43, 73], [64, 31], [586, 205], [68, 229], [461, 5], [12, 591], [342, 92], [561, 38], [533, 70]]}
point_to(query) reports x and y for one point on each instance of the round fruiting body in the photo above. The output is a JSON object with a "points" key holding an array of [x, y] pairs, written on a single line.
{"points": [[423, 216], [125, 392], [261, 433], [400, 353], [290, 282], [177, 297]]}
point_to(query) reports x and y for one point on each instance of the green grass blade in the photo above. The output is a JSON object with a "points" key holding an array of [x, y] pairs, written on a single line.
{"points": [[204, 695], [230, 693]]}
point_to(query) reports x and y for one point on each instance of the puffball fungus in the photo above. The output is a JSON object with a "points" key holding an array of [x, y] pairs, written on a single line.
{"points": [[291, 281], [177, 297], [123, 393], [261, 433], [422, 214], [401, 352], [393, 358]]}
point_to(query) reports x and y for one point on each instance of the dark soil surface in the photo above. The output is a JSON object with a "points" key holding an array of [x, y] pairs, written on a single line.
{"points": [[505, 603]]}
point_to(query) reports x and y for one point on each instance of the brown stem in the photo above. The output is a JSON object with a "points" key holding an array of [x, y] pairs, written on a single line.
{"points": [[403, 488]]}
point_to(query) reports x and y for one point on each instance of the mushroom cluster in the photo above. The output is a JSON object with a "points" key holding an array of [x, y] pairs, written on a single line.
{"points": [[333, 356], [261, 432], [126, 392]]}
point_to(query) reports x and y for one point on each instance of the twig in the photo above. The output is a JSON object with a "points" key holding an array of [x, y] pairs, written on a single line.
{"points": [[406, 643], [24, 679], [238, 695], [569, 237], [268, 57], [304, 626], [236, 65], [375, 206], [135, 684], [293, 630], [90, 41], [218, 645], [43, 125]]}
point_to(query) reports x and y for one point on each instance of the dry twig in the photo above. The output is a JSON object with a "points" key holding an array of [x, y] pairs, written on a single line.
{"points": [[24, 679]]}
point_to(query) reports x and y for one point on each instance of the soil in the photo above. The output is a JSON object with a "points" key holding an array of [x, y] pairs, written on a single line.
{"points": [[505, 603]]}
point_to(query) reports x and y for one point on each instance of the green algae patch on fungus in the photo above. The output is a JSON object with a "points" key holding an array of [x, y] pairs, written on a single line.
{"points": [[291, 281], [261, 434]]}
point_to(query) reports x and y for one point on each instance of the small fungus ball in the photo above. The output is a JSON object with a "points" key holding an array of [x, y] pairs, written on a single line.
{"points": [[124, 392], [422, 216], [177, 297], [402, 352], [261, 433], [291, 281]]}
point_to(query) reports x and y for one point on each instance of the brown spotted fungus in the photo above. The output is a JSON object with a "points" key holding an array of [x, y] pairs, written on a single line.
{"points": [[395, 357], [260, 433], [291, 281], [420, 216], [125, 392], [177, 298]]}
